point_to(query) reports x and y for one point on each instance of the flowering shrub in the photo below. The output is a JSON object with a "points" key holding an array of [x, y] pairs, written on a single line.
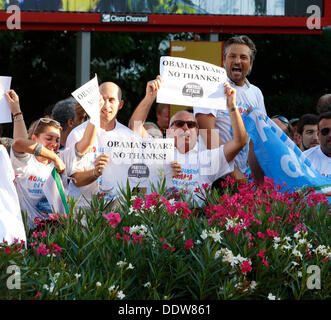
{"points": [[247, 242]]}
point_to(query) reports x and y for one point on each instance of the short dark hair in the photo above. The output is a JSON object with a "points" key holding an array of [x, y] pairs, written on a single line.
{"points": [[63, 111], [325, 115], [324, 104], [160, 107], [305, 119], [242, 39]]}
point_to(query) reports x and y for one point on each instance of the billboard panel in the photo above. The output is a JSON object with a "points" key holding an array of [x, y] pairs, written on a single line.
{"points": [[203, 7], [200, 16]]}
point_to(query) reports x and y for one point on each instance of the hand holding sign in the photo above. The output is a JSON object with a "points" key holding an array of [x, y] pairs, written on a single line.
{"points": [[191, 83], [88, 97]]}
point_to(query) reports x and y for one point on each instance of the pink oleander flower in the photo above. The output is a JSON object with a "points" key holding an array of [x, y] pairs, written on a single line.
{"points": [[188, 244], [261, 253], [43, 234], [137, 203], [184, 206], [299, 227], [38, 294], [42, 250], [265, 262], [113, 218], [7, 250], [126, 229], [56, 249], [205, 186], [137, 238], [245, 266], [272, 233], [197, 190], [261, 235], [151, 200]]}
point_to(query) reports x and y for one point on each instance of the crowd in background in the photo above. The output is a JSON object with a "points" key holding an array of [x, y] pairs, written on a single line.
{"points": [[69, 141]]}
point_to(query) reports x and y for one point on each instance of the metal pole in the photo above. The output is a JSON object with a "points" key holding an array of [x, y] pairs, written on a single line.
{"points": [[83, 57]]}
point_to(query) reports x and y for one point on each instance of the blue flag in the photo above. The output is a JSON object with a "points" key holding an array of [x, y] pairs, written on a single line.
{"points": [[279, 157]]}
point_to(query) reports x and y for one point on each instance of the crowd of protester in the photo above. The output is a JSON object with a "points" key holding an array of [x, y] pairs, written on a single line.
{"points": [[69, 141]]}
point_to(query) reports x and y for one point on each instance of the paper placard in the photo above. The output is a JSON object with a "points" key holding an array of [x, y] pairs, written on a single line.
{"points": [[191, 83], [139, 160], [5, 112], [88, 97]]}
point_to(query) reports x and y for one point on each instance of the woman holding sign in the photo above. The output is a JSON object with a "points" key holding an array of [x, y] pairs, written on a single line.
{"points": [[34, 158]]}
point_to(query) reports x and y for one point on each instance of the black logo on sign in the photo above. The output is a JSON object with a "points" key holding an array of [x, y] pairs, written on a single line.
{"points": [[192, 90], [138, 170]]}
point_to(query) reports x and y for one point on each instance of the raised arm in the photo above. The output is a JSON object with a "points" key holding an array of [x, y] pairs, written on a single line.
{"points": [[140, 114], [88, 138], [208, 132], [19, 124], [233, 147], [32, 147]]}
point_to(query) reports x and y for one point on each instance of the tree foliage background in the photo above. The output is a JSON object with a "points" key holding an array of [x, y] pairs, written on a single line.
{"points": [[292, 71]]}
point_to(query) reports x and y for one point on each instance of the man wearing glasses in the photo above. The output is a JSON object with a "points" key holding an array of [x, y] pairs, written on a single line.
{"points": [[284, 124], [320, 156], [198, 165]]}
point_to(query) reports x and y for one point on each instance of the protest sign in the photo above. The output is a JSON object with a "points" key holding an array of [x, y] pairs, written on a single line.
{"points": [[279, 157], [53, 190], [138, 160], [88, 97], [191, 83], [5, 113]]}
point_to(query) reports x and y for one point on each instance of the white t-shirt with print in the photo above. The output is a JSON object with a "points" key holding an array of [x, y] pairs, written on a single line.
{"points": [[84, 194], [200, 166], [247, 96], [11, 222], [30, 178], [319, 160]]}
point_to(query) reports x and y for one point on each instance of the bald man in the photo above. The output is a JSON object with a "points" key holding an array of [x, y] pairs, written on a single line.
{"points": [[96, 160]]}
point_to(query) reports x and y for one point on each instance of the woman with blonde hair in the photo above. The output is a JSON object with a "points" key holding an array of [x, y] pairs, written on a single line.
{"points": [[34, 157]]}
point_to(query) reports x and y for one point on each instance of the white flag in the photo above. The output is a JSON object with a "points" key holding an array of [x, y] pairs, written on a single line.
{"points": [[88, 97], [5, 113], [53, 190]]}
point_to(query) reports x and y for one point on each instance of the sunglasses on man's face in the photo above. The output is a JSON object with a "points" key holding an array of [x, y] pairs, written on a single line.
{"points": [[325, 131], [181, 123]]}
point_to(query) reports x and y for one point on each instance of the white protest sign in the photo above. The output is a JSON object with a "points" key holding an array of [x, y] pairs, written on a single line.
{"points": [[191, 83], [139, 160], [88, 97], [5, 113]]}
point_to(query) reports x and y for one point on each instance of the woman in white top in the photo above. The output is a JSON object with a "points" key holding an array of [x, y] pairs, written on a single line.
{"points": [[33, 160]]}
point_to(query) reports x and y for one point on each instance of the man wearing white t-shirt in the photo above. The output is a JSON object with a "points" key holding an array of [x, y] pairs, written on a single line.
{"points": [[90, 176], [320, 156], [238, 56], [198, 165]]}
